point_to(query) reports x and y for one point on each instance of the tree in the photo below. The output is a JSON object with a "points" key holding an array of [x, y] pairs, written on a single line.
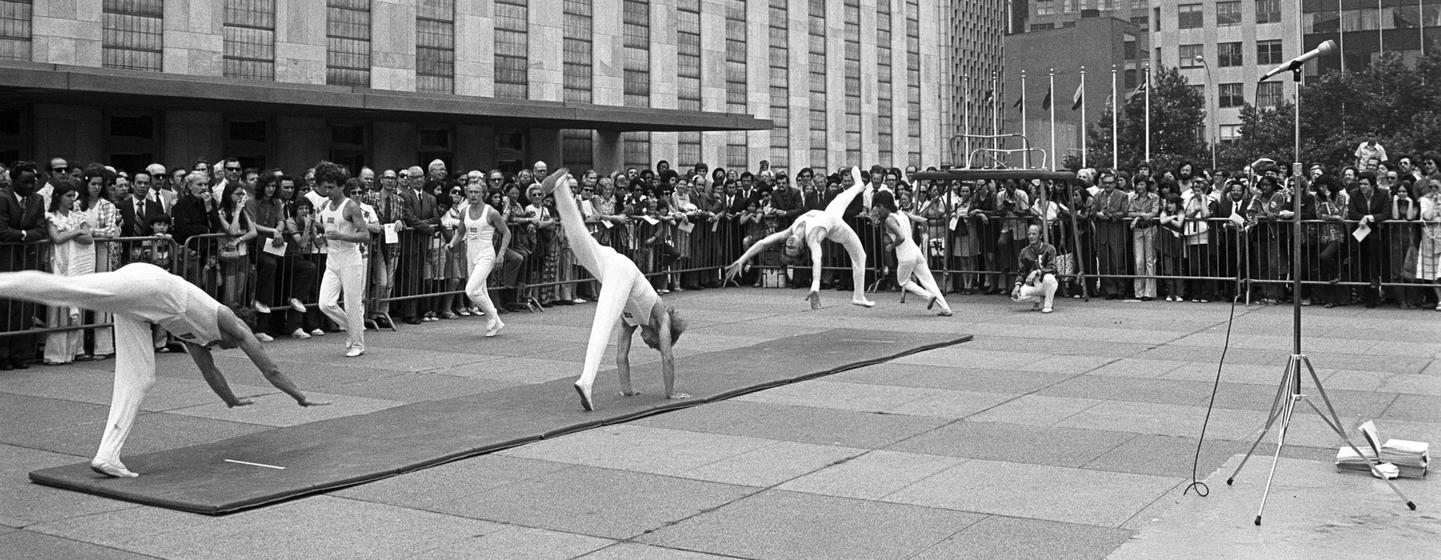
{"points": [[1176, 116], [1390, 99], [1264, 133]]}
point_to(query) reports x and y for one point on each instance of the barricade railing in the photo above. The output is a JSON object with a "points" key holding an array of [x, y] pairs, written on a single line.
{"points": [[104, 254]]}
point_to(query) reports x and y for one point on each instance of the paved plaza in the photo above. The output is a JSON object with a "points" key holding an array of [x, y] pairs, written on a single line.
{"points": [[1069, 435]]}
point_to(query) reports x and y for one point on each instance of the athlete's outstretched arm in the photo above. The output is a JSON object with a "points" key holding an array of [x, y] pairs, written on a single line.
{"points": [[755, 249]]}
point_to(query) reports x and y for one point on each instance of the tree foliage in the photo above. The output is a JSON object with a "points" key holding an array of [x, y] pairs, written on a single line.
{"points": [[1176, 119], [1264, 133], [1399, 102]]}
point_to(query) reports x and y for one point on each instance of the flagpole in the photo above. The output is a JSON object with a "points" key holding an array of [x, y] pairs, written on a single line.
{"points": [[1026, 155], [1115, 105], [995, 115], [1051, 93], [1148, 113], [1341, 32], [966, 119], [1083, 116]]}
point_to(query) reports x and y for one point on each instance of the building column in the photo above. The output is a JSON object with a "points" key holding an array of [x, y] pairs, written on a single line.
{"points": [[475, 50], [194, 38], [392, 45], [300, 42], [66, 33], [607, 151]]}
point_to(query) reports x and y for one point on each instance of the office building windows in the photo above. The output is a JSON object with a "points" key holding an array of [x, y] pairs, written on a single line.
{"points": [[885, 95], [512, 49], [1268, 52], [250, 39], [1269, 95], [852, 57], [1268, 11], [817, 66], [736, 94], [1232, 95], [15, 30], [347, 33], [688, 60], [779, 31], [577, 56], [637, 150], [1228, 54], [435, 46], [635, 26], [132, 34], [913, 82], [576, 150], [1228, 13], [1189, 54], [1188, 16]]}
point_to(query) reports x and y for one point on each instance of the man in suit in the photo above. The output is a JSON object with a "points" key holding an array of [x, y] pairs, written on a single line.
{"points": [[137, 210], [420, 223], [22, 222], [1370, 206], [1108, 209]]}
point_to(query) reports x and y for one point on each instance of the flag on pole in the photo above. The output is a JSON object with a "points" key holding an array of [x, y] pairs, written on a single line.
{"points": [[1046, 101], [1019, 100], [1140, 89], [1078, 97], [990, 96]]}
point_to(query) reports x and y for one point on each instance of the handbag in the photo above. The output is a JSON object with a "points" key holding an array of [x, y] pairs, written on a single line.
{"points": [[1066, 264], [233, 251]]}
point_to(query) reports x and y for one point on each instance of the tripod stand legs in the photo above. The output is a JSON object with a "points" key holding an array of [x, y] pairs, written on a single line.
{"points": [[1288, 393]]}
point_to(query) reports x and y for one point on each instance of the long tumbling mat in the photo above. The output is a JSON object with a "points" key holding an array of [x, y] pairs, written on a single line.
{"points": [[264, 468]]}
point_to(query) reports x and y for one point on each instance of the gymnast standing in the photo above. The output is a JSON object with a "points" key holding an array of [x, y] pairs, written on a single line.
{"points": [[806, 234], [140, 295], [626, 298], [479, 222], [909, 258]]}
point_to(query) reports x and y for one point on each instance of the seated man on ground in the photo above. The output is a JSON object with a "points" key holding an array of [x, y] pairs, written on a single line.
{"points": [[1037, 278]]}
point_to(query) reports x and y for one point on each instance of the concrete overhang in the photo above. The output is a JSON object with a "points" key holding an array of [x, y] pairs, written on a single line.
{"points": [[22, 82]]}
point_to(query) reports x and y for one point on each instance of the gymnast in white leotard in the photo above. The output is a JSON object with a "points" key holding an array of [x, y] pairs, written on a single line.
{"points": [[141, 295], [806, 235], [626, 299], [909, 258], [479, 222]]}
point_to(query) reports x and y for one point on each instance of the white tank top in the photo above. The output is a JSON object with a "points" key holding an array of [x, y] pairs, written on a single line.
{"points": [[334, 220], [479, 231]]}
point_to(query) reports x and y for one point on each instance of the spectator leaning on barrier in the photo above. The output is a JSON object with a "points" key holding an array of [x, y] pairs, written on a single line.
{"points": [[1369, 207]]}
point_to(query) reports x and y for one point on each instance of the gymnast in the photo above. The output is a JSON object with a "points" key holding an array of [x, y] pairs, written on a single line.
{"points": [[479, 222], [909, 259], [806, 235], [140, 295], [626, 298]]}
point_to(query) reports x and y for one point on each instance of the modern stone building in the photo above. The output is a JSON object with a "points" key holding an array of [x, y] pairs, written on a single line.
{"points": [[483, 83]]}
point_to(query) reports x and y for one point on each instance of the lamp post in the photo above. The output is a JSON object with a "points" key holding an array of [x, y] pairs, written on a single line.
{"points": [[1211, 84]]}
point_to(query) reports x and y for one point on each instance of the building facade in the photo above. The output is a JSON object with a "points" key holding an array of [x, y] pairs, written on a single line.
{"points": [[1364, 30], [602, 84], [976, 39]]}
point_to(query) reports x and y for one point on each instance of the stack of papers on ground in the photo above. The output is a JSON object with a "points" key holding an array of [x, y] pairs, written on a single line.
{"points": [[1397, 457]]}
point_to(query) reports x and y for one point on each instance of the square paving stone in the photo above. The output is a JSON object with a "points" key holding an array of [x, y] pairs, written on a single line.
{"points": [[1166, 456], [26, 503], [944, 403], [518, 543], [1166, 419], [75, 428], [785, 525], [1092, 497], [639, 448], [1036, 410], [792, 423], [981, 380], [872, 475], [1001, 441], [632, 551], [1416, 408], [1136, 367], [425, 488], [598, 502], [27, 544], [1003, 538], [773, 464], [304, 529]]}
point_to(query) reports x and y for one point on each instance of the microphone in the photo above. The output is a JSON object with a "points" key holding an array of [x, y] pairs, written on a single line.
{"points": [[1323, 49]]}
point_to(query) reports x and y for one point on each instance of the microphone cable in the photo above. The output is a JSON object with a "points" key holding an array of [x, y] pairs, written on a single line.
{"points": [[1201, 489]]}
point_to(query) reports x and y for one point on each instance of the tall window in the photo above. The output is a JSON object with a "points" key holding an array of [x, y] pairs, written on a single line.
{"points": [[885, 95], [1228, 54], [1269, 95], [1232, 95], [688, 68], [636, 27], [1268, 52], [913, 81], [1188, 16], [816, 64], [1128, 46], [512, 52], [688, 55], [736, 78], [1268, 11], [780, 54], [577, 55], [637, 150], [347, 60], [575, 149], [132, 34], [15, 29], [1228, 13], [250, 39], [1189, 54], [435, 46], [1142, 21], [852, 54]]}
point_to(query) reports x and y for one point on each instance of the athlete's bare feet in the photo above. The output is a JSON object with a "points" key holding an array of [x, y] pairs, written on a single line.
{"points": [[115, 469], [585, 401], [677, 396], [863, 302]]}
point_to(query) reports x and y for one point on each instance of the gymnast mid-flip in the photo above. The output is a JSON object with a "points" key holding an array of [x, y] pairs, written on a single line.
{"points": [[806, 234], [626, 298], [140, 295], [909, 258]]}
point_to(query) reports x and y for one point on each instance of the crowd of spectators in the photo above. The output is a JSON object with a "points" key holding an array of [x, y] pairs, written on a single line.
{"points": [[250, 237]]}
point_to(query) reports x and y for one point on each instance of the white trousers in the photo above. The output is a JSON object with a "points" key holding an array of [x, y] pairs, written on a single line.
{"points": [[1044, 291], [914, 263], [349, 278], [480, 266]]}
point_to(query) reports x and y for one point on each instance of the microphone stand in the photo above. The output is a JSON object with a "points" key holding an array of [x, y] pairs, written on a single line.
{"points": [[1288, 391]]}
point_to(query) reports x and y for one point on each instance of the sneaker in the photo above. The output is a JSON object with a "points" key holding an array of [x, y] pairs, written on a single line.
{"points": [[494, 328], [300, 334], [317, 332], [355, 351], [1045, 310], [578, 301], [462, 312], [264, 337], [297, 306], [260, 307]]}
